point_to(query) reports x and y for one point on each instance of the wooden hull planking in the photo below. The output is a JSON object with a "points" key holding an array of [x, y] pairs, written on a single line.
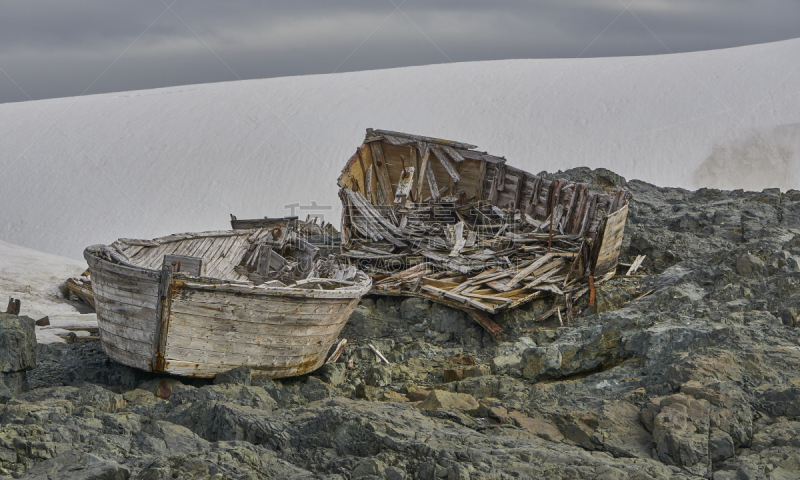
{"points": [[182, 325]]}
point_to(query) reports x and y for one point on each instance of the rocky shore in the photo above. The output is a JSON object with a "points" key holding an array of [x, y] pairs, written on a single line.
{"points": [[690, 371]]}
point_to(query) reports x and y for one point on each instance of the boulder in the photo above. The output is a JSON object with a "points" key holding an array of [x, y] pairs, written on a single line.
{"points": [[415, 309], [448, 320], [332, 373], [77, 465], [681, 433], [369, 468], [235, 376], [455, 401], [453, 375], [379, 375], [17, 343], [749, 265]]}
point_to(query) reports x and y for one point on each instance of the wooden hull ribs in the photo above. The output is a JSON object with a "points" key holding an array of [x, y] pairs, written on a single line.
{"points": [[200, 304], [438, 219]]}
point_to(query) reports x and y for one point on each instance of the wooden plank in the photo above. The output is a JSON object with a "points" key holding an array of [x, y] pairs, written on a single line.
{"points": [[414, 160], [459, 298], [370, 186], [253, 342], [423, 172], [123, 356], [460, 240], [95, 264], [363, 181], [518, 194], [162, 319], [263, 314], [453, 153], [635, 265], [186, 264], [451, 170], [130, 345], [527, 271], [192, 324], [481, 179], [419, 138], [608, 254], [107, 294], [404, 186], [123, 327], [200, 354], [432, 185], [382, 171], [121, 283]]}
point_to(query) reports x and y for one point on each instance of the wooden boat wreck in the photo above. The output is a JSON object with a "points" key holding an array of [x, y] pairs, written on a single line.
{"points": [[438, 219], [198, 304]]}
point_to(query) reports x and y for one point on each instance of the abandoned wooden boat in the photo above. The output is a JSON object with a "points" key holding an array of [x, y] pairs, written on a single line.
{"points": [[438, 219], [198, 304]]}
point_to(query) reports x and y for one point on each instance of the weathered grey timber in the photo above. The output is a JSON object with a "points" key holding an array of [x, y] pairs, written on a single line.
{"points": [[280, 321], [467, 230]]}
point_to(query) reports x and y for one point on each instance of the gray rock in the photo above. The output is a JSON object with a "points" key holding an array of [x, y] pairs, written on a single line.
{"points": [[720, 446], [394, 473], [255, 397], [17, 343], [77, 465], [235, 376], [12, 384], [681, 432], [364, 323], [448, 320], [749, 265], [332, 373], [369, 467], [379, 375], [414, 309], [315, 389], [509, 356]]}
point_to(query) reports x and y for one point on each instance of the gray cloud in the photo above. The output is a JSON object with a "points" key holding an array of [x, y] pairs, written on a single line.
{"points": [[53, 49]]}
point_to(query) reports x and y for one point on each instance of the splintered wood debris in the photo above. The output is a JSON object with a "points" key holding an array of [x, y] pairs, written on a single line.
{"points": [[436, 219]]}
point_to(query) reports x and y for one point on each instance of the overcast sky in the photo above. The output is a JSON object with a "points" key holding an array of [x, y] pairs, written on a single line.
{"points": [[53, 48]]}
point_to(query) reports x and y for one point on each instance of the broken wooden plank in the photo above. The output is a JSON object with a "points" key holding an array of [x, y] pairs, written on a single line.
{"points": [[451, 170], [384, 182], [527, 271], [423, 172], [404, 186], [337, 352], [635, 265], [378, 353], [432, 185], [453, 153]]}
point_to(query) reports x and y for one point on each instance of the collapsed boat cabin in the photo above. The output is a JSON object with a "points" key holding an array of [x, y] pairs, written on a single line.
{"points": [[439, 219]]}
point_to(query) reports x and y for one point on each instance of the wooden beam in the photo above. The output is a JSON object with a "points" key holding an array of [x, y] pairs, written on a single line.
{"points": [[453, 153], [404, 186], [414, 160], [451, 170], [384, 181], [432, 185], [423, 172], [162, 320], [481, 180]]}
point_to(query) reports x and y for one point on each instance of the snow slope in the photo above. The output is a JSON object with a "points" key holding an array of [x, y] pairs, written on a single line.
{"points": [[36, 279], [78, 171]]}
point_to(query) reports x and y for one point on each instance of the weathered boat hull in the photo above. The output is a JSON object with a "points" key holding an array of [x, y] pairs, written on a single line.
{"points": [[196, 326]]}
